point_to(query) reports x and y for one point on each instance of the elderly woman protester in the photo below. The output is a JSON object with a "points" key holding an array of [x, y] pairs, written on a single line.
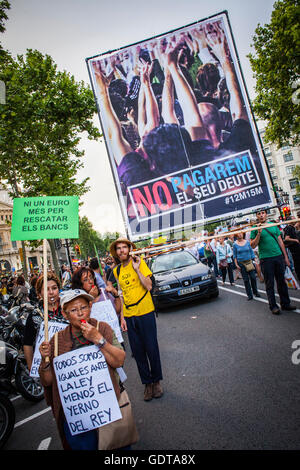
{"points": [[82, 331], [35, 318], [243, 256]]}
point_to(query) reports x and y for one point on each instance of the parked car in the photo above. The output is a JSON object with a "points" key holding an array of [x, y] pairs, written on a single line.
{"points": [[180, 277]]}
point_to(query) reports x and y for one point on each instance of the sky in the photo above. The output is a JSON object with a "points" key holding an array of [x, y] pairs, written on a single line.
{"points": [[72, 30]]}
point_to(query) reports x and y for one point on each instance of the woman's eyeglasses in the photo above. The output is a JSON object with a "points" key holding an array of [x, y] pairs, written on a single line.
{"points": [[79, 310]]}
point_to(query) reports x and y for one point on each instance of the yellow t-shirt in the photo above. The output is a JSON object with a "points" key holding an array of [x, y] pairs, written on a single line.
{"points": [[3, 291], [133, 290]]}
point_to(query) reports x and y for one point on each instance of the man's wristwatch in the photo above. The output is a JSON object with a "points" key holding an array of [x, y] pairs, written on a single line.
{"points": [[102, 342]]}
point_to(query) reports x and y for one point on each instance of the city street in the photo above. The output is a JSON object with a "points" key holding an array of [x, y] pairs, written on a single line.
{"points": [[229, 381]]}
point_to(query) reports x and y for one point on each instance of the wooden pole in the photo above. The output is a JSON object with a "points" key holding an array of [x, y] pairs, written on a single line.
{"points": [[45, 286], [193, 242]]}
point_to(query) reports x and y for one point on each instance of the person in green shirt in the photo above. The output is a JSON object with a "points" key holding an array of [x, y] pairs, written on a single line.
{"points": [[273, 259]]}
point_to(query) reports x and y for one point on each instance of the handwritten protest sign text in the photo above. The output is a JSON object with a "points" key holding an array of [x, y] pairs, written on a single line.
{"points": [[86, 390]]}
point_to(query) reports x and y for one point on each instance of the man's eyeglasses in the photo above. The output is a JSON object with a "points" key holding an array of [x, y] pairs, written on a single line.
{"points": [[81, 309]]}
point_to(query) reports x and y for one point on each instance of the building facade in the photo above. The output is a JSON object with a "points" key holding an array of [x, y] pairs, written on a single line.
{"points": [[282, 163]]}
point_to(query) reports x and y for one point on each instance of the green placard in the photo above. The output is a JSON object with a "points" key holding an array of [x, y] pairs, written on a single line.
{"points": [[37, 218]]}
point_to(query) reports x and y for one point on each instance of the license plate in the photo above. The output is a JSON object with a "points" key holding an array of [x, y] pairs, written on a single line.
{"points": [[188, 290]]}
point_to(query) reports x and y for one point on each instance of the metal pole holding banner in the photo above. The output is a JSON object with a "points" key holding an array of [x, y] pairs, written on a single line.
{"points": [[154, 250], [45, 291]]}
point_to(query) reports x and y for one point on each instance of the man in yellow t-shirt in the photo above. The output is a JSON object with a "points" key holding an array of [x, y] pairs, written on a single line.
{"points": [[134, 280]]}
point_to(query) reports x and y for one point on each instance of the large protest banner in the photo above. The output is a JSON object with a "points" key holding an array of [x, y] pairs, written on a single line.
{"points": [[86, 390], [180, 135]]}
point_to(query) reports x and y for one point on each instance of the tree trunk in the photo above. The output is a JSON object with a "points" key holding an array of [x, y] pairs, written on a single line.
{"points": [[54, 257]]}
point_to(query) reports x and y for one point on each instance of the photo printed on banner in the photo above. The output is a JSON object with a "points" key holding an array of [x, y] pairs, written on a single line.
{"points": [[180, 135]]}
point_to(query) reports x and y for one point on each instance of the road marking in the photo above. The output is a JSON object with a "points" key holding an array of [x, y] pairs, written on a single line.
{"points": [[262, 291], [36, 415], [45, 444], [245, 295], [15, 398]]}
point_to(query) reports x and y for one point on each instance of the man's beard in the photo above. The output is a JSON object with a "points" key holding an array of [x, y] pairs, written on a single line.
{"points": [[124, 257]]}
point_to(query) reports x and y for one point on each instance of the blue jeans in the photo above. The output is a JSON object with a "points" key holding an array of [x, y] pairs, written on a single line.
{"points": [[249, 278], [85, 441], [142, 335]]}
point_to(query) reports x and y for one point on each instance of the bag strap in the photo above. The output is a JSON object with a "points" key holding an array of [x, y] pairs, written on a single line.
{"points": [[136, 303], [272, 235], [118, 270]]}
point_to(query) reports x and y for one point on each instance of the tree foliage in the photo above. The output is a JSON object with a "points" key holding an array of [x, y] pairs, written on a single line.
{"points": [[91, 241], [4, 5], [45, 112], [276, 69]]}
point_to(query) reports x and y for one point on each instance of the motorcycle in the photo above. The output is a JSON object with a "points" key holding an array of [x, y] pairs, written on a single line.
{"points": [[12, 326], [15, 378]]}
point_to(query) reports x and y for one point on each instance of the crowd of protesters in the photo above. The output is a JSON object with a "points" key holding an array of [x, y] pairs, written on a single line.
{"points": [[126, 281]]}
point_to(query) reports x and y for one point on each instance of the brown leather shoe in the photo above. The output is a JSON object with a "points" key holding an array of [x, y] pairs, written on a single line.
{"points": [[148, 392], [157, 390]]}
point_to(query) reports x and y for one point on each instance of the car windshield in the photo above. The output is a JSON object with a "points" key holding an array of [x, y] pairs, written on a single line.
{"points": [[171, 261]]}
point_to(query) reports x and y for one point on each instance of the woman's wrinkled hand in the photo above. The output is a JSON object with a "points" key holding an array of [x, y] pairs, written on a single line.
{"points": [[45, 349]]}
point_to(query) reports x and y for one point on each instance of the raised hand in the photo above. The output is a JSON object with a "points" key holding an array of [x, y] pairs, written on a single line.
{"points": [[200, 37], [102, 80], [145, 71], [170, 52], [216, 40]]}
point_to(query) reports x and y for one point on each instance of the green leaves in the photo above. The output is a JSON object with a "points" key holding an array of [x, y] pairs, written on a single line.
{"points": [[45, 112], [89, 239], [276, 67], [4, 5]]}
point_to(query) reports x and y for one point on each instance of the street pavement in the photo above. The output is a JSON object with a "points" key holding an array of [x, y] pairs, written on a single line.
{"points": [[229, 381]]}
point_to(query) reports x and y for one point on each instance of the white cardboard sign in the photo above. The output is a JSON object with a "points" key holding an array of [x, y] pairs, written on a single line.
{"points": [[53, 327], [104, 311], [86, 390]]}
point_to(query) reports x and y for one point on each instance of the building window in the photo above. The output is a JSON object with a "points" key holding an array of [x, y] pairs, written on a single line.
{"points": [[268, 151], [14, 245], [288, 157], [293, 183], [296, 199], [285, 147], [290, 169]]}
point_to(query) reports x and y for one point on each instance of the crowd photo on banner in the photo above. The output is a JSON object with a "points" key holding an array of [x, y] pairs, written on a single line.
{"points": [[178, 128]]}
